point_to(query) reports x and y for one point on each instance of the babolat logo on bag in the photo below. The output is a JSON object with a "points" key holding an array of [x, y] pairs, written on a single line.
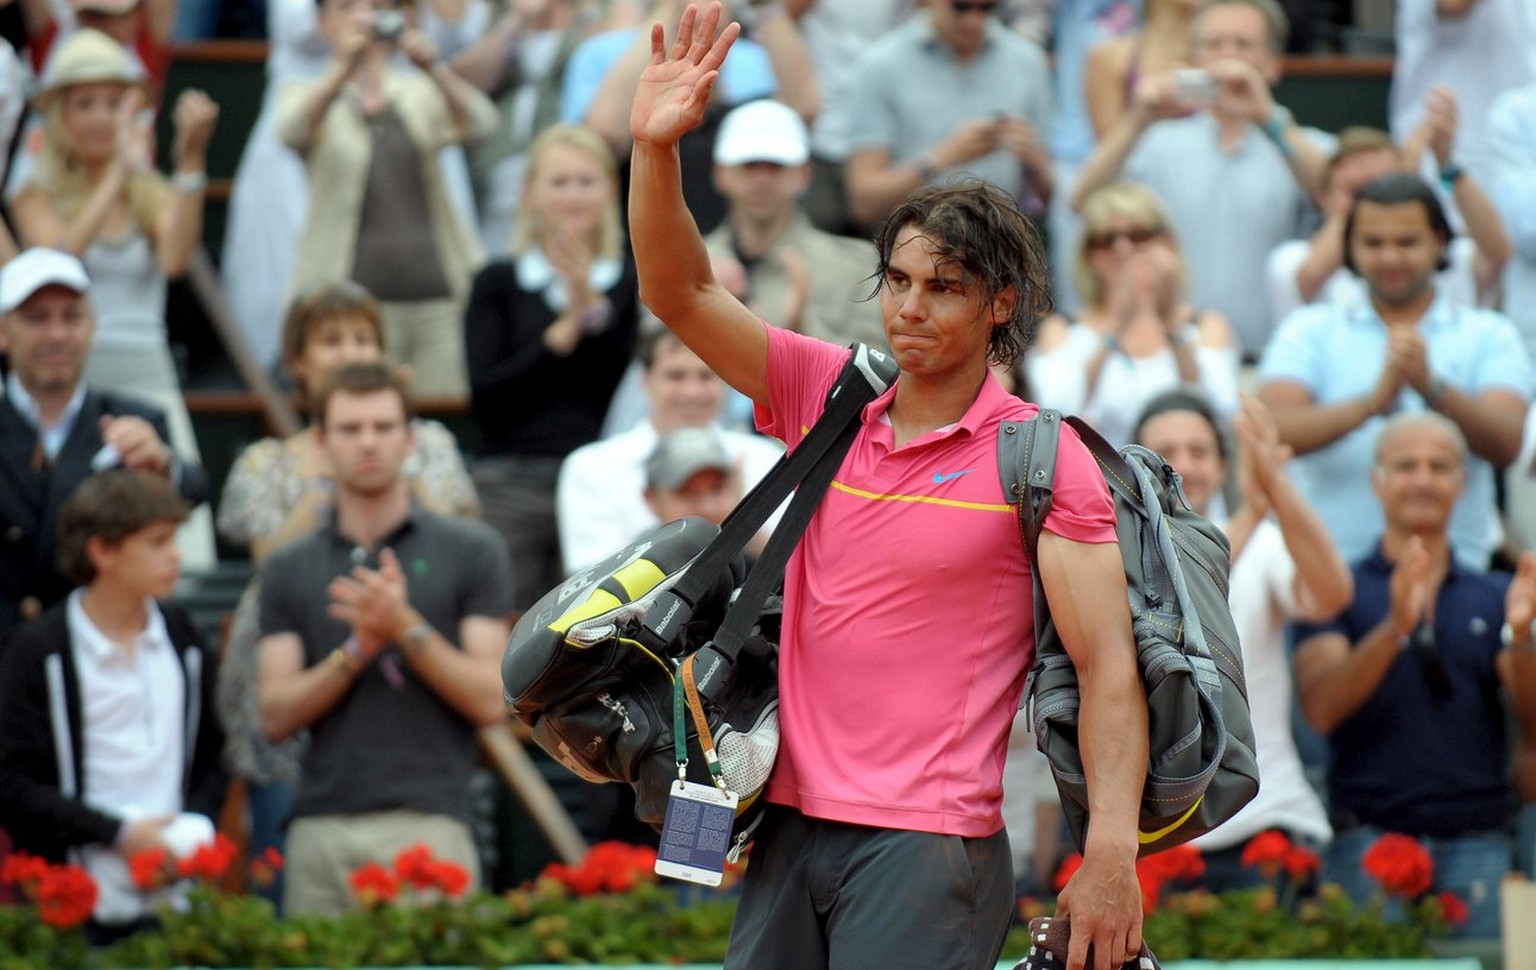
{"points": [[1202, 766]]}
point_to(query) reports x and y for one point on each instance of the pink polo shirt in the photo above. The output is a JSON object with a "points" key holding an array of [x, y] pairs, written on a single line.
{"points": [[908, 609]]}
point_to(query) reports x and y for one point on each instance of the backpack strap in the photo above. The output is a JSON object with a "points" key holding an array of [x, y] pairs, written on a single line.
{"points": [[1027, 463], [1117, 471]]}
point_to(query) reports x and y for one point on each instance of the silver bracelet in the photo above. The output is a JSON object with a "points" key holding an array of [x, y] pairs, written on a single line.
{"points": [[189, 182], [1507, 637]]}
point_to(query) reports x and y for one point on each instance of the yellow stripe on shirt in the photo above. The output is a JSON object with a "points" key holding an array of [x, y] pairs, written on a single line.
{"points": [[927, 499]]}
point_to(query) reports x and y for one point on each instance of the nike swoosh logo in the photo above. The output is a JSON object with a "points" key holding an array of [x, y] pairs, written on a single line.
{"points": [[939, 478]]}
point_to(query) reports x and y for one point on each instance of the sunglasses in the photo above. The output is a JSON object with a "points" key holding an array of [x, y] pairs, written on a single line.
{"points": [[973, 6], [1136, 237]]}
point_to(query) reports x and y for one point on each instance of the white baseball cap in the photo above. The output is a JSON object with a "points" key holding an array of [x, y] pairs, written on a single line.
{"points": [[762, 131], [35, 269]]}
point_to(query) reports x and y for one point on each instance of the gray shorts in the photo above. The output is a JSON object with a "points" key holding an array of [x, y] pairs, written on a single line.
{"points": [[822, 895]]}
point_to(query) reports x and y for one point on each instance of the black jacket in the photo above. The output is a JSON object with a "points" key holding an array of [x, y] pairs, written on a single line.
{"points": [[30, 501], [39, 687]]}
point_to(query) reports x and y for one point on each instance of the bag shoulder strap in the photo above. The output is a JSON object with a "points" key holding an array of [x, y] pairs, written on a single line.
{"points": [[811, 466]]}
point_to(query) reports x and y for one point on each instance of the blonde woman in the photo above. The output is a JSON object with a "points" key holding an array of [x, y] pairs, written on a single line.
{"points": [[547, 336], [1136, 335], [92, 194]]}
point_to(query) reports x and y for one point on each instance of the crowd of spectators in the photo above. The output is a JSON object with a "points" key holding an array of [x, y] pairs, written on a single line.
{"points": [[1327, 333]]}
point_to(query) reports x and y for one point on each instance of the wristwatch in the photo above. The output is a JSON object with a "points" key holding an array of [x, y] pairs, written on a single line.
{"points": [[416, 637]]}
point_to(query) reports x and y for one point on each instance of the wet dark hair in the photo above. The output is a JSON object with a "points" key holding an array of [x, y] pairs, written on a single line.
{"points": [[979, 228], [1182, 400], [1400, 188], [111, 506]]}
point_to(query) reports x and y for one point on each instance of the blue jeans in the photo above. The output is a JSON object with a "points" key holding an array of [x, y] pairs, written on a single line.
{"points": [[270, 806], [1471, 866]]}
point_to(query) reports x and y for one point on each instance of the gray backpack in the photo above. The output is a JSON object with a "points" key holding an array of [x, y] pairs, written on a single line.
{"points": [[1201, 767]]}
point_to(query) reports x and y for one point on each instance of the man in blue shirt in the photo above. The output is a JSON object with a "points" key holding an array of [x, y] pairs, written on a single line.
{"points": [[1332, 375], [1407, 682]]}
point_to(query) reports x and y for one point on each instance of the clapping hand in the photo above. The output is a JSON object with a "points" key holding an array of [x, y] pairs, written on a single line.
{"points": [[1261, 456], [372, 602], [674, 88], [1408, 355], [133, 130], [1411, 586]]}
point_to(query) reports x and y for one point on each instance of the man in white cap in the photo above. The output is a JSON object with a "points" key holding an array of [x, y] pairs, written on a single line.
{"points": [[54, 431], [796, 276]]}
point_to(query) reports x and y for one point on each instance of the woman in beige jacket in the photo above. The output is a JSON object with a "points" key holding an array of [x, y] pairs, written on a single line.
{"points": [[370, 131]]}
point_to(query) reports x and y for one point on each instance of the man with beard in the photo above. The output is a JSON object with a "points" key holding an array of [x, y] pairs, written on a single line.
{"points": [[382, 634], [1332, 375]]}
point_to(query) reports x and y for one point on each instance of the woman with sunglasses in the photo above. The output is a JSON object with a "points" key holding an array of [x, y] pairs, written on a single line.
{"points": [[1136, 335]]}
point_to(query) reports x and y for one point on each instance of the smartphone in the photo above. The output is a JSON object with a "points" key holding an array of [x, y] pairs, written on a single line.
{"points": [[1194, 85]]}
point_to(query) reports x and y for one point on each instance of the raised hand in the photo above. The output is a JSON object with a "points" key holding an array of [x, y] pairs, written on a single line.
{"points": [[1440, 122], [1242, 90], [420, 49], [1158, 98], [674, 88], [1261, 456], [195, 116]]}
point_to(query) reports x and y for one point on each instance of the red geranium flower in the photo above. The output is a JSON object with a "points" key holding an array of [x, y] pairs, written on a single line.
{"points": [[24, 871], [149, 869], [1182, 863], [1400, 864], [209, 861], [265, 867], [1065, 871], [65, 896], [450, 878], [1266, 852], [607, 867], [414, 866], [373, 884], [1300, 863], [1453, 909]]}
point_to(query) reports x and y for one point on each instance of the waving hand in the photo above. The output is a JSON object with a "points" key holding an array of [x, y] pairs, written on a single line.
{"points": [[674, 88]]}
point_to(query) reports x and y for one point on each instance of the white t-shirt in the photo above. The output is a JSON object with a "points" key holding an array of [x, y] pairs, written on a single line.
{"points": [[1263, 598]]}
